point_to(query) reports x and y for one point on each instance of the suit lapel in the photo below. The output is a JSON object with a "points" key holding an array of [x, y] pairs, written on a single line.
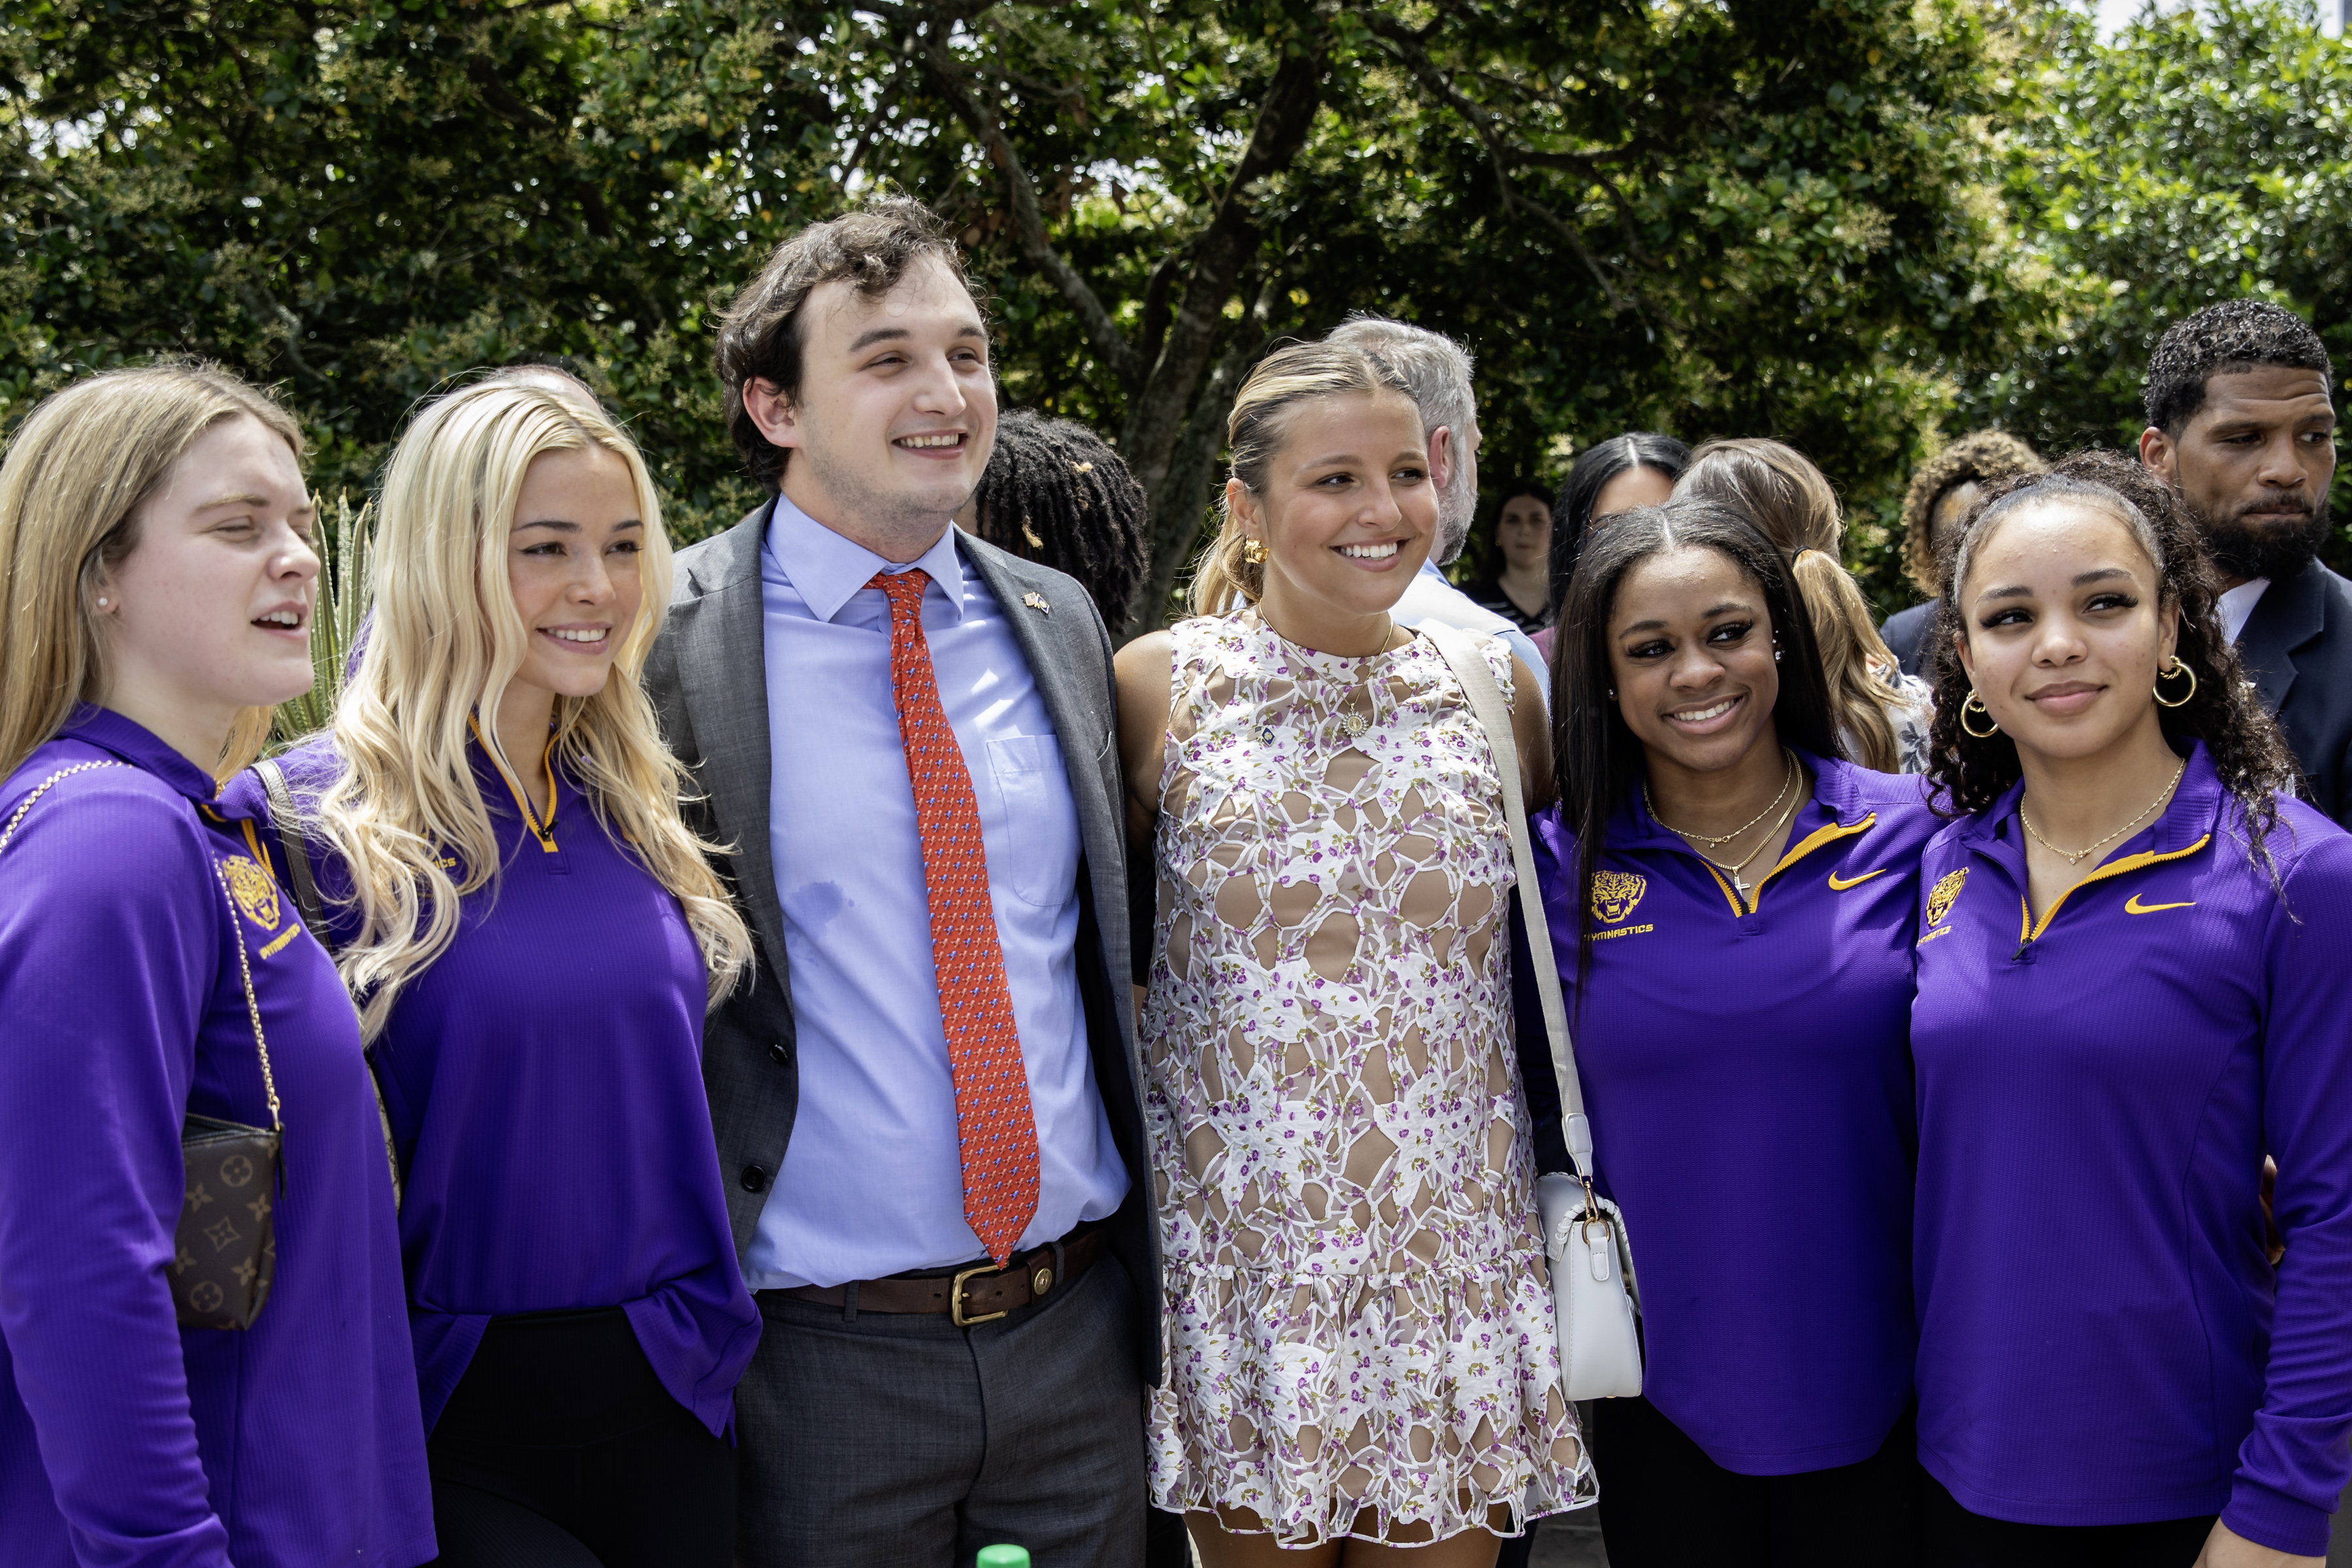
{"points": [[722, 672], [2288, 615]]}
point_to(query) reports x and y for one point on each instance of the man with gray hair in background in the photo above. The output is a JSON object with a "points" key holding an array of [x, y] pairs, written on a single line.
{"points": [[1438, 369]]}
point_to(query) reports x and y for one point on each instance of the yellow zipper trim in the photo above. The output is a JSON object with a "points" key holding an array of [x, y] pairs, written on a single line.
{"points": [[254, 843], [1819, 836], [545, 835], [2112, 869]]}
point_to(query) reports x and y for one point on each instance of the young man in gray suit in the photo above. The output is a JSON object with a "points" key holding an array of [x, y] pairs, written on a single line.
{"points": [[927, 1102]]}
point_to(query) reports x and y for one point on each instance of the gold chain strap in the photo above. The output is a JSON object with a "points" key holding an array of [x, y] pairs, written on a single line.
{"points": [[10, 831], [252, 1004], [244, 968]]}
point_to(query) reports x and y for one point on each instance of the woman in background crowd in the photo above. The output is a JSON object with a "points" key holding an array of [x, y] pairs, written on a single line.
{"points": [[1615, 476], [156, 536], [1732, 909], [2134, 935], [1055, 492], [533, 937], [1361, 1351], [1882, 714], [1520, 586], [1942, 493]]}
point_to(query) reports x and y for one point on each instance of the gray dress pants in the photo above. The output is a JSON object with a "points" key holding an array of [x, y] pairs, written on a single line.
{"points": [[898, 1440]]}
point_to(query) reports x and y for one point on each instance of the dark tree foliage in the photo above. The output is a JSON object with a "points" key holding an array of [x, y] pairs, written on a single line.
{"points": [[1815, 219]]}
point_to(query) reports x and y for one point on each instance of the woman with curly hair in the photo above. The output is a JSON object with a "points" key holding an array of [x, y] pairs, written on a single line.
{"points": [[2130, 990]]}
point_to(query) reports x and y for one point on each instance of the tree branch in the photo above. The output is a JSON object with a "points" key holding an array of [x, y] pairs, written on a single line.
{"points": [[1028, 222], [1407, 47], [1285, 116]]}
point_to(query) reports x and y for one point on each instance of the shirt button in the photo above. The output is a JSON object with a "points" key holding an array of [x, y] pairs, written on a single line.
{"points": [[754, 1179], [779, 1053]]}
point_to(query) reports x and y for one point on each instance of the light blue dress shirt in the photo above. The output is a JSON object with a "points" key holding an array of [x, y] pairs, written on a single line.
{"points": [[872, 1182], [1431, 597]]}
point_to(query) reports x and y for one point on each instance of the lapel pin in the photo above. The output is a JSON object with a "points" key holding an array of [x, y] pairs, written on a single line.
{"points": [[1038, 601]]}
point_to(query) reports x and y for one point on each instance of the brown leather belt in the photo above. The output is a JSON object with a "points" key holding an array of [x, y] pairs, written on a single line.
{"points": [[979, 1294]]}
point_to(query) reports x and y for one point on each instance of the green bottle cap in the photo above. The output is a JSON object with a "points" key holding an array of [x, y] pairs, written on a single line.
{"points": [[1004, 1557]]}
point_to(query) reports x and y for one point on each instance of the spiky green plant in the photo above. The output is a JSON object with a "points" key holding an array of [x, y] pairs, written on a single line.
{"points": [[344, 540]]}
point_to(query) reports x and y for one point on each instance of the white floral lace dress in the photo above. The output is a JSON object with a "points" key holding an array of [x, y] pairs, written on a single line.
{"points": [[1359, 1325]]}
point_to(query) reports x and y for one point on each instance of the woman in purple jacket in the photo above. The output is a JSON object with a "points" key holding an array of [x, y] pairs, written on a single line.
{"points": [[2132, 988], [1732, 908], [533, 938], [156, 539]]}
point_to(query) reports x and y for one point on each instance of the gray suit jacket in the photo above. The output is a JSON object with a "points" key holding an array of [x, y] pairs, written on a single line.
{"points": [[2297, 648], [708, 678]]}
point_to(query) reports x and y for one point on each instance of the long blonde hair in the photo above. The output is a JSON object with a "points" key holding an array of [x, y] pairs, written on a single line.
{"points": [[1791, 502], [71, 485], [445, 643], [1254, 432]]}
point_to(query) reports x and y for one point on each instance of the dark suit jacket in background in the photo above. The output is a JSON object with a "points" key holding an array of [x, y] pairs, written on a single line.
{"points": [[1905, 634], [2298, 649], [708, 678]]}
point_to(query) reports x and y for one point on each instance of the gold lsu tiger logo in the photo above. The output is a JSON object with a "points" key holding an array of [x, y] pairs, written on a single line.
{"points": [[1614, 894], [1940, 896], [254, 891]]}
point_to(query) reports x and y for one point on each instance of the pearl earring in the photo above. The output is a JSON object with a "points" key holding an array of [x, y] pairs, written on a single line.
{"points": [[101, 604]]}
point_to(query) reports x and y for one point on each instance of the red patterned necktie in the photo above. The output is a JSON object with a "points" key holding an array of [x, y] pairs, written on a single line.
{"points": [[995, 1124]]}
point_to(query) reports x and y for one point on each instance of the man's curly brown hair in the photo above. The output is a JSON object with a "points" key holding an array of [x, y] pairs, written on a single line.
{"points": [[1968, 774], [1979, 457]]}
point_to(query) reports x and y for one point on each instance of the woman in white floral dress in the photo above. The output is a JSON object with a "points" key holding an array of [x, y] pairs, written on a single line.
{"points": [[1361, 1353]]}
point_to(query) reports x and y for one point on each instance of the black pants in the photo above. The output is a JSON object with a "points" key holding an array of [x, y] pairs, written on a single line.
{"points": [[1955, 1538], [561, 1449], [1665, 1504]]}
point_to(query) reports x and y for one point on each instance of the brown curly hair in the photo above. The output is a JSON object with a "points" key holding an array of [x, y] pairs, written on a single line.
{"points": [[1980, 456], [1969, 774]]}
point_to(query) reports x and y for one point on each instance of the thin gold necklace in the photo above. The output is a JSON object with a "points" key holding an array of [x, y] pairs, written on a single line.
{"points": [[2076, 858], [1734, 872], [1726, 837]]}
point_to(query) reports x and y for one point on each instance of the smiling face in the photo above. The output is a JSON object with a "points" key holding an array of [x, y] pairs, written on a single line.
{"points": [[891, 428], [1347, 514], [2253, 464], [1523, 530], [572, 561], [2062, 630], [1691, 655], [211, 610]]}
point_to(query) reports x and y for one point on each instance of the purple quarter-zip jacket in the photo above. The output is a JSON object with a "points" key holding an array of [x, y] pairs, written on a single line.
{"points": [[1748, 1074], [125, 1439], [544, 1079], [2102, 1340]]}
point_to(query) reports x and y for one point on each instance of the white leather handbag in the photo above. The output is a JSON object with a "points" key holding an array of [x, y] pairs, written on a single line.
{"points": [[1594, 1294]]}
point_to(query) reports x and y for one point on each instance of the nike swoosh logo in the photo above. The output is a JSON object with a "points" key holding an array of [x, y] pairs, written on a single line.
{"points": [[2132, 906], [1839, 886]]}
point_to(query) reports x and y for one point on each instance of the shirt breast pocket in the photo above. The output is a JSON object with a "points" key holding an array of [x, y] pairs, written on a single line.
{"points": [[1041, 820]]}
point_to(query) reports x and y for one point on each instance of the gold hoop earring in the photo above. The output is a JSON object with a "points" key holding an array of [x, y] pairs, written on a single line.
{"points": [[2164, 675], [1253, 551], [1975, 704]]}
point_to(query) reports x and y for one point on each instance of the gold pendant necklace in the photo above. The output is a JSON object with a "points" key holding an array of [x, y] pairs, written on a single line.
{"points": [[2077, 856], [1697, 839]]}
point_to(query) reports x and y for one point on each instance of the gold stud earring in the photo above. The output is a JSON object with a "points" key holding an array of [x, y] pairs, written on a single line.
{"points": [[1253, 551], [1975, 704]]}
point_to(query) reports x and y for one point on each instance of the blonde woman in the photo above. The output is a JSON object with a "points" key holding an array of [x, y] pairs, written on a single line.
{"points": [[533, 938], [155, 535], [1883, 714], [1361, 1353]]}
